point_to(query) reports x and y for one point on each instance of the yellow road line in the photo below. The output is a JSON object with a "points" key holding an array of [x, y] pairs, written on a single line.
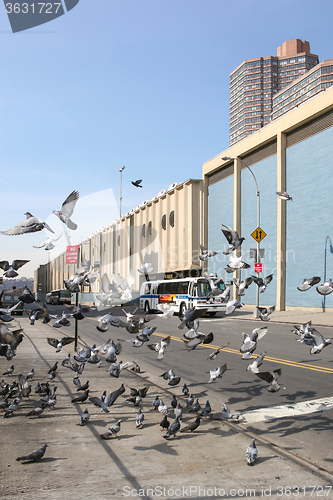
{"points": [[287, 362]]}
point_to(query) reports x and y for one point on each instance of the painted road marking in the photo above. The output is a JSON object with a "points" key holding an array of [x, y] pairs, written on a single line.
{"points": [[290, 410]]}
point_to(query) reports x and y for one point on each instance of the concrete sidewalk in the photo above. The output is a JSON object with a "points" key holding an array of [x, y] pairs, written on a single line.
{"points": [[209, 463]]}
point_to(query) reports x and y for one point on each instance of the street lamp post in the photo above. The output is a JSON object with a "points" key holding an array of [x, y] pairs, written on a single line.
{"points": [[225, 158], [120, 196]]}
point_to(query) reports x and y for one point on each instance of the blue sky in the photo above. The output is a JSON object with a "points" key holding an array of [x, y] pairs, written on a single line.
{"points": [[140, 83]]}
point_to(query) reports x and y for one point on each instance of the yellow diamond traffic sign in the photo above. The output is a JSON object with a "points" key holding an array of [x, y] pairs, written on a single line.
{"points": [[258, 234]]}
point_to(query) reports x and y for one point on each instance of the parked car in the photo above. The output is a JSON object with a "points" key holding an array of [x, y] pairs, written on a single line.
{"points": [[57, 297], [10, 301]]}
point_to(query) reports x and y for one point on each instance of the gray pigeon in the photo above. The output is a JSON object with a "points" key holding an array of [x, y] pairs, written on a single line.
{"points": [[217, 373], [10, 269], [37, 411], [85, 417], [254, 366], [232, 305], [34, 455], [250, 341], [251, 453], [264, 312], [82, 397], [325, 288], [308, 283], [112, 431], [173, 429], [232, 237], [271, 378], [9, 371], [283, 195], [205, 254], [262, 283], [139, 419], [67, 210], [192, 426], [30, 225], [242, 285]]}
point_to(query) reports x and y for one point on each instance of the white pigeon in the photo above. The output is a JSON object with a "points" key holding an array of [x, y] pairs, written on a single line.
{"points": [[232, 305], [48, 243], [205, 254], [67, 209], [254, 366], [236, 263], [146, 268], [217, 373], [226, 415], [30, 225], [250, 341], [232, 237], [160, 347], [242, 285]]}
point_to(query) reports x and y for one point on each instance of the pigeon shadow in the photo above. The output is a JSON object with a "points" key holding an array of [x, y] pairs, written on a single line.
{"points": [[261, 460], [161, 448], [299, 394], [47, 459]]}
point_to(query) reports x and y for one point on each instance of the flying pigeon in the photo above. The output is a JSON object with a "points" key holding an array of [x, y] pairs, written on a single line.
{"points": [[48, 243], [173, 429], [34, 455], [314, 339], [308, 283], [254, 366], [36, 314], [284, 196], [251, 453], [325, 288], [30, 225], [192, 426], [226, 415], [137, 183], [242, 285], [250, 341], [190, 316], [24, 294], [215, 283], [205, 254], [214, 354], [10, 269], [67, 210], [200, 339], [217, 373], [232, 305], [112, 431], [264, 312], [170, 376], [271, 378], [5, 315], [262, 283], [232, 237], [146, 268], [160, 347], [236, 263], [59, 344]]}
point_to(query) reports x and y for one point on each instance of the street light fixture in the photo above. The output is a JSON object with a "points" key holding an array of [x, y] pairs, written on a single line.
{"points": [[225, 158], [120, 196]]}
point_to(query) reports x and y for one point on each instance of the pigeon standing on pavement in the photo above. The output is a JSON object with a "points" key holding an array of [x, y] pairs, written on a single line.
{"points": [[9, 371], [251, 453], [34, 455], [67, 209], [85, 417], [192, 426], [173, 429], [139, 419], [81, 398], [165, 424], [113, 430]]}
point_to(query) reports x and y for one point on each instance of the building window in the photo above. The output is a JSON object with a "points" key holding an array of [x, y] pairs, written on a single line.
{"points": [[144, 230], [119, 240], [150, 229], [172, 218], [163, 221]]}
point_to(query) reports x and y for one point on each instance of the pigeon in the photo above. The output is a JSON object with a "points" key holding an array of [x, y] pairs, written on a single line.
{"points": [[139, 419], [9, 371], [200, 339], [34, 455], [83, 387], [226, 415], [4, 404], [103, 405], [264, 312], [54, 367], [173, 429], [251, 453], [205, 254], [217, 373], [207, 409], [165, 424], [156, 403], [271, 378], [48, 243], [30, 225], [178, 411], [308, 283], [174, 402], [38, 388], [185, 390], [325, 288], [31, 374], [254, 366], [36, 314], [135, 399], [144, 335], [190, 316], [11, 409], [170, 376], [10, 269], [214, 354], [192, 426], [146, 268], [314, 339], [250, 341], [51, 401], [5, 315], [51, 376], [85, 417], [284, 196], [82, 397], [232, 237], [137, 183], [232, 305], [242, 285], [217, 286], [189, 401], [139, 392], [24, 294], [112, 397], [67, 210], [63, 321], [162, 408], [112, 431], [262, 283], [73, 365], [195, 407], [160, 347], [236, 263], [59, 344], [37, 411]]}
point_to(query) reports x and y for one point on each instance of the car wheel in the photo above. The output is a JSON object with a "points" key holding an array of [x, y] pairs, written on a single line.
{"points": [[182, 310]]}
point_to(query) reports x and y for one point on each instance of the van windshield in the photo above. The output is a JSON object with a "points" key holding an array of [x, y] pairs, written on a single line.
{"points": [[203, 288]]}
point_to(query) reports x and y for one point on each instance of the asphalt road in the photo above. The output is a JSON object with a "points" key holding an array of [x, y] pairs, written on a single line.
{"points": [[79, 464]]}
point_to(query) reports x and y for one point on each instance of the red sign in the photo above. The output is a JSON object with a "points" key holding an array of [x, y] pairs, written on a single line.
{"points": [[71, 254], [258, 267]]}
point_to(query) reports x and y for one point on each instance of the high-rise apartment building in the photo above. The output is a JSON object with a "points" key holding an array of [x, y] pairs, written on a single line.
{"points": [[254, 83]]}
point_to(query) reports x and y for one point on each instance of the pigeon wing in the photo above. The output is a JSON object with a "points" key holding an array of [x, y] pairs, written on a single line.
{"points": [[53, 342], [67, 208]]}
